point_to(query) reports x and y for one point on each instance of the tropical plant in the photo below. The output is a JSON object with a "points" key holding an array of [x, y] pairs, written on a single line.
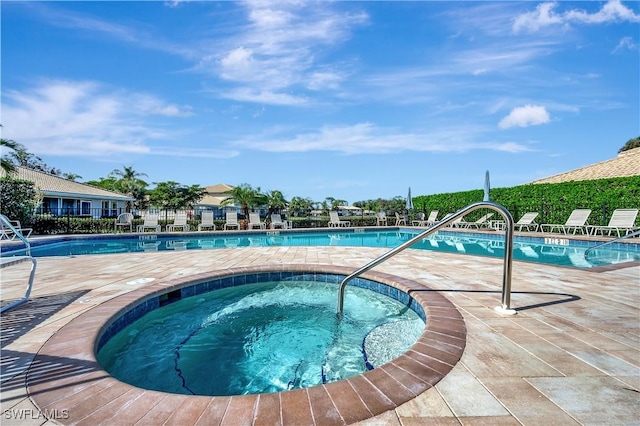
{"points": [[245, 196], [129, 182], [173, 196], [6, 163], [631, 143], [275, 202], [21, 157], [300, 206], [18, 199]]}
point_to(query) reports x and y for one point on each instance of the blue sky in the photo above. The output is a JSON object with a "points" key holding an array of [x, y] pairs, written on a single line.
{"points": [[351, 100]]}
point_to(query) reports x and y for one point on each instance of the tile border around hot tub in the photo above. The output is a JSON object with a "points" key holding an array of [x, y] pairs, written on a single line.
{"points": [[92, 396]]}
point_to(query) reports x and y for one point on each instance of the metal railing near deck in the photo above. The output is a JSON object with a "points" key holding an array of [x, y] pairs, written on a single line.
{"points": [[606, 243], [6, 261], [504, 308]]}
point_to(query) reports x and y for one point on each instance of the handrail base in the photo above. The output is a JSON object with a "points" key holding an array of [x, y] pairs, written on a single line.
{"points": [[505, 311]]}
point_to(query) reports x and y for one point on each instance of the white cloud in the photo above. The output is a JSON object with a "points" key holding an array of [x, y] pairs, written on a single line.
{"points": [[83, 118], [368, 138], [626, 43], [545, 16], [525, 116]]}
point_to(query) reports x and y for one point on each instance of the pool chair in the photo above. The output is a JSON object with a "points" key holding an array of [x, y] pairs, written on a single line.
{"points": [[254, 221], [621, 220], [9, 234], [381, 218], [400, 219], [527, 222], [123, 220], [277, 222], [577, 221], [150, 222], [480, 223], [179, 221], [335, 222], [432, 219], [419, 220], [231, 221], [206, 221]]}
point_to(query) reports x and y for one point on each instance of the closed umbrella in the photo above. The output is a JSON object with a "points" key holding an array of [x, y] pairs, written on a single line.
{"points": [[409, 201], [487, 187]]}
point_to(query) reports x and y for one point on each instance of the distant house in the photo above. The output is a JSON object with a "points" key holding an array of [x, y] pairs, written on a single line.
{"points": [[62, 197], [213, 198]]}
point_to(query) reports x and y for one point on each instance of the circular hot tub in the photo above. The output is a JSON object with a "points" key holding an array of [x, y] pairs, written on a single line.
{"points": [[85, 391]]}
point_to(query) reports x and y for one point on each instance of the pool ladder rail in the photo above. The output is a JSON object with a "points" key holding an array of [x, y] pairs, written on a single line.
{"points": [[606, 243], [6, 262], [504, 307]]}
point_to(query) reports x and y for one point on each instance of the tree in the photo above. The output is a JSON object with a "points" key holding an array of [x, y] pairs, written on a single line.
{"points": [[631, 143], [71, 176], [275, 202], [18, 199], [246, 197], [173, 196], [23, 158], [6, 163], [301, 206], [129, 182]]}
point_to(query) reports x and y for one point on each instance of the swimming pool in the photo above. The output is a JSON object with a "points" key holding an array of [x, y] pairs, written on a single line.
{"points": [[555, 251]]}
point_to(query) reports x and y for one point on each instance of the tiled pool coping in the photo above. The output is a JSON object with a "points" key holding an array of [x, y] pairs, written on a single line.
{"points": [[91, 396]]}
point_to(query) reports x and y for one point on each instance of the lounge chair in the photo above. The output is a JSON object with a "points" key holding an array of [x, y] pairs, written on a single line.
{"points": [[621, 220], [381, 218], [527, 222], [334, 220], [577, 221], [432, 219], [419, 220], [483, 221], [231, 221], [9, 234], [277, 222], [122, 221], [206, 221], [179, 221], [150, 222], [254, 221], [400, 219]]}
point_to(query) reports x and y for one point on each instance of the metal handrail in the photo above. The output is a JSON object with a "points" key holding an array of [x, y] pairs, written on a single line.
{"points": [[605, 243], [508, 252], [6, 223]]}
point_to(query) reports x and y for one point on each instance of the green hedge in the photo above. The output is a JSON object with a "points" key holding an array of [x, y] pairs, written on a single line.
{"points": [[554, 201]]}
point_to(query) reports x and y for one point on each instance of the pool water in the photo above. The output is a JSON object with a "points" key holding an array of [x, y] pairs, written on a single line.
{"points": [[255, 338], [550, 251]]}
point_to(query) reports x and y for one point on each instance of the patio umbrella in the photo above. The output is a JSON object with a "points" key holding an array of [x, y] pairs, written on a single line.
{"points": [[487, 187], [409, 201]]}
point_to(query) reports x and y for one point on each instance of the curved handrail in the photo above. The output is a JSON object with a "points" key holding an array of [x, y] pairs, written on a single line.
{"points": [[508, 252], [606, 243], [6, 223]]}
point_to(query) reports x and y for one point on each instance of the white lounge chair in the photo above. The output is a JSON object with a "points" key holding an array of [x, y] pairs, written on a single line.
{"points": [[231, 221], [9, 234], [432, 219], [179, 221], [482, 222], [419, 220], [527, 222], [577, 221], [277, 222], [400, 220], [122, 221], [334, 220], [254, 221], [381, 218], [150, 222], [206, 221], [621, 220]]}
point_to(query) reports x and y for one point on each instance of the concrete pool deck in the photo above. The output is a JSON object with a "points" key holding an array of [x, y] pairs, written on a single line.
{"points": [[570, 356]]}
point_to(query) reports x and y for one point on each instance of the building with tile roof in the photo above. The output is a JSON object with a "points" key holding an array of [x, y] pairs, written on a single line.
{"points": [[62, 196], [627, 163]]}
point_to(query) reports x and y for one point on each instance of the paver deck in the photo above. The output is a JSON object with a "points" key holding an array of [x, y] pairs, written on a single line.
{"points": [[570, 356]]}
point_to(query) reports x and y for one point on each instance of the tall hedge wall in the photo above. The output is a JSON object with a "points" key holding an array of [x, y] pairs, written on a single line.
{"points": [[554, 201]]}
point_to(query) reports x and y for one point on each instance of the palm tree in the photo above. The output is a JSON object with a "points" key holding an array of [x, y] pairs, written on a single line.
{"points": [[244, 196], [6, 164], [275, 201], [129, 182]]}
